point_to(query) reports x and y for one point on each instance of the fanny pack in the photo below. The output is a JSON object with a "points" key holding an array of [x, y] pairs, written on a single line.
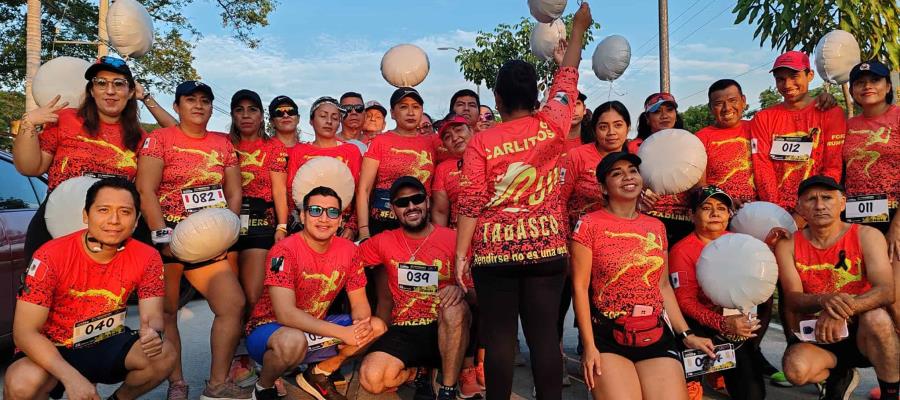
{"points": [[635, 331]]}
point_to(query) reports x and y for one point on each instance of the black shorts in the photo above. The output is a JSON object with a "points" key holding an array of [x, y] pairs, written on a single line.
{"points": [[665, 347], [103, 362], [247, 242], [191, 266], [846, 351], [414, 345]]}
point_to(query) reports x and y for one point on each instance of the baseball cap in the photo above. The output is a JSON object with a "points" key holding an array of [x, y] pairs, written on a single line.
{"points": [[795, 60], [281, 100], [326, 100], [699, 196], [402, 92], [606, 164], [583, 97], [111, 64], [873, 67], [461, 93], [188, 88], [376, 105], [246, 94], [449, 121], [658, 99], [405, 182], [819, 181]]}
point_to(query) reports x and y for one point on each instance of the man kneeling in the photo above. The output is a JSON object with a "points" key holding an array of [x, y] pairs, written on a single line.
{"points": [[69, 322], [841, 272], [305, 272]]}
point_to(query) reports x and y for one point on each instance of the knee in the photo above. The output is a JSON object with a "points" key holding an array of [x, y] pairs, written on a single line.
{"points": [[231, 306], [796, 370], [289, 346], [19, 385], [164, 364], [876, 325], [371, 378], [456, 316]]}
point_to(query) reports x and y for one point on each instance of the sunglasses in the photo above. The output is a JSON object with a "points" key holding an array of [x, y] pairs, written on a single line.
{"points": [[404, 202], [487, 117], [357, 108], [284, 112], [316, 211], [119, 84], [425, 128]]}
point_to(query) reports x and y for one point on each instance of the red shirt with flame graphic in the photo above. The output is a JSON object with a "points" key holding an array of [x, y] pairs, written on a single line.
{"points": [[683, 271], [510, 182], [580, 190], [728, 164], [257, 159], [446, 179], [63, 278], [872, 155], [401, 156], [837, 269]]}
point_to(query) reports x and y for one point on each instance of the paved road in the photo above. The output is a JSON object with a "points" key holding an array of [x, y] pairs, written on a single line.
{"points": [[196, 319]]}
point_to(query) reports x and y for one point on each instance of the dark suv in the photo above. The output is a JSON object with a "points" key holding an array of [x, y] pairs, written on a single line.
{"points": [[20, 197]]}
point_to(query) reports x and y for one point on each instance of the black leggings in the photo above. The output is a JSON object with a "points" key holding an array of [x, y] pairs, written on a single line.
{"points": [[504, 293]]}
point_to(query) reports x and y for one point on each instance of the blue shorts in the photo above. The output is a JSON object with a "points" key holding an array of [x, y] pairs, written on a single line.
{"points": [[258, 340]]}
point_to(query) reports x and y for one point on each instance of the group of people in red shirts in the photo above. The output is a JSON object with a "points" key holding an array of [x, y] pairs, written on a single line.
{"points": [[458, 229]]}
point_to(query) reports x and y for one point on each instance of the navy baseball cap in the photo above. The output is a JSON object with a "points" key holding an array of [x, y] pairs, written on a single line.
{"points": [[188, 88], [402, 92], [405, 182], [873, 67], [245, 94], [606, 164], [819, 181]]}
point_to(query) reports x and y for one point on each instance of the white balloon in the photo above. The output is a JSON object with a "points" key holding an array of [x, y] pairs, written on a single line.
{"points": [[545, 38], [836, 54], [672, 161], [546, 10], [62, 76], [130, 28], [611, 58], [405, 65], [205, 234], [323, 171], [737, 271], [64, 206], [759, 217]]}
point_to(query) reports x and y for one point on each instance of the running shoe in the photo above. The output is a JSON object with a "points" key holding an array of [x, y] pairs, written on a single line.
{"points": [[778, 379], [243, 372], [468, 384], [424, 388], [840, 384], [177, 391], [226, 391], [447, 394], [337, 378], [318, 386], [265, 394], [695, 390]]}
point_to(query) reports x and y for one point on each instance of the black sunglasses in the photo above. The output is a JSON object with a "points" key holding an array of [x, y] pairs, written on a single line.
{"points": [[357, 108], [316, 211], [284, 112], [403, 202]]}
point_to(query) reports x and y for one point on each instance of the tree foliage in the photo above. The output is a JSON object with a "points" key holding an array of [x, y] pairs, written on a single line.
{"points": [[697, 117], [12, 105], [168, 63], [508, 42], [799, 24]]}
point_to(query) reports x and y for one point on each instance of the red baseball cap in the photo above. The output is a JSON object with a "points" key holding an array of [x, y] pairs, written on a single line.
{"points": [[657, 99], [795, 60], [456, 119]]}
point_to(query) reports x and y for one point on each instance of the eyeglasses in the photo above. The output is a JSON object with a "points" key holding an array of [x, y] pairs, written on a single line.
{"points": [[357, 108], [101, 83], [284, 112], [487, 117], [331, 212], [404, 202]]}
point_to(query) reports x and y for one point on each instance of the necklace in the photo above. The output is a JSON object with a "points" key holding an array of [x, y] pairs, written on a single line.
{"points": [[412, 254]]}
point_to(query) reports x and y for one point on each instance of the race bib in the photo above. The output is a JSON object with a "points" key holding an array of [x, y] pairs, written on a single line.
{"points": [[417, 278], [868, 208], [200, 197], [316, 342], [91, 331], [791, 148], [100, 175], [697, 362]]}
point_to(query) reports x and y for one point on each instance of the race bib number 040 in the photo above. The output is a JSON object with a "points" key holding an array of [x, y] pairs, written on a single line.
{"points": [[869, 208], [697, 362], [94, 330], [417, 278], [316, 342], [791, 148], [200, 197]]}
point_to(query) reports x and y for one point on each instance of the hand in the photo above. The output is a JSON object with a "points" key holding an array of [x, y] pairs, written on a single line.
{"points": [[590, 365], [582, 18], [560, 51], [825, 101], [893, 242], [741, 325], [462, 271], [829, 330], [46, 114], [279, 234], [776, 235], [649, 199], [700, 343], [838, 305], [139, 94], [348, 335], [81, 389], [363, 331], [151, 341], [450, 295]]}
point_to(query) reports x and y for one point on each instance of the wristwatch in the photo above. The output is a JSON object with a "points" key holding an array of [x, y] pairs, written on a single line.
{"points": [[685, 334]]}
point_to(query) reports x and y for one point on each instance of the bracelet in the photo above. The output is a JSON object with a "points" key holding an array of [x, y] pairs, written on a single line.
{"points": [[362, 226]]}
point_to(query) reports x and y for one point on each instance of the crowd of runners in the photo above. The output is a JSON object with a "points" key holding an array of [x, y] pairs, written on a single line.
{"points": [[460, 227]]}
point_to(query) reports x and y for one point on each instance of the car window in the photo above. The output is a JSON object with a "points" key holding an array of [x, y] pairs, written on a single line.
{"points": [[16, 191], [40, 187]]}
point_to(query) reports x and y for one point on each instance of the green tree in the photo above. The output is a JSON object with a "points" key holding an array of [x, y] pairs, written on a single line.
{"points": [[168, 62], [697, 117], [508, 42], [12, 105]]}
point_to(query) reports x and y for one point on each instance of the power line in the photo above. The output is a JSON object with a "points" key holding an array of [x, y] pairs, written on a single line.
{"points": [[765, 64], [701, 27]]}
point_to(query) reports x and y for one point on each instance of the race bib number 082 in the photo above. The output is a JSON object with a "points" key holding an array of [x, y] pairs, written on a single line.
{"points": [[200, 197]]}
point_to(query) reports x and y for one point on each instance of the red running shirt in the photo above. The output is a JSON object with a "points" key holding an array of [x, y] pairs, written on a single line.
{"points": [[390, 248], [872, 155], [510, 182], [683, 272], [315, 278], [63, 278], [572, 143], [76, 153], [777, 181], [446, 179], [728, 164], [189, 162], [399, 156], [628, 257], [824, 271], [257, 159], [580, 190]]}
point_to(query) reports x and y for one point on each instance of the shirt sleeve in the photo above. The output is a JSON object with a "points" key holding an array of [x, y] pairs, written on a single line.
{"points": [[357, 277], [682, 268], [278, 157], [376, 149], [473, 185], [834, 130], [48, 139], [439, 183], [229, 156], [368, 252], [569, 176], [153, 145], [39, 280], [152, 283], [563, 93], [763, 168], [281, 268], [583, 232]]}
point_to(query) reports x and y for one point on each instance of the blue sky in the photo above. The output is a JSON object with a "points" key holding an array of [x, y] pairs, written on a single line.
{"points": [[318, 48]]}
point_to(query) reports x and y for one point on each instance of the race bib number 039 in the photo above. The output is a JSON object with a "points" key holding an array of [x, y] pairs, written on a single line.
{"points": [[94, 330], [417, 278], [697, 362], [200, 197], [791, 148], [316, 342], [869, 208]]}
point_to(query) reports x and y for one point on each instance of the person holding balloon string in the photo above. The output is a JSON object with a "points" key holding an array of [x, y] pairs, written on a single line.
{"points": [[183, 170], [284, 116], [99, 138], [623, 300]]}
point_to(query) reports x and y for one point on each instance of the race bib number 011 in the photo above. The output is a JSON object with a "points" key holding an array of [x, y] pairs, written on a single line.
{"points": [[869, 208], [316, 342], [200, 197], [91, 331], [417, 278], [697, 362], [791, 148]]}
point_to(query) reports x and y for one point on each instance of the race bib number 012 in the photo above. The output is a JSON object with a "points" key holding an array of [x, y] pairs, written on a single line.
{"points": [[316, 342], [869, 208], [91, 331], [200, 197], [791, 148], [417, 278], [697, 362]]}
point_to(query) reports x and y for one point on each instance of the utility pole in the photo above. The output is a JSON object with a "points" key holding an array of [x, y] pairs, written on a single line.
{"points": [[32, 49], [102, 48], [664, 46]]}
